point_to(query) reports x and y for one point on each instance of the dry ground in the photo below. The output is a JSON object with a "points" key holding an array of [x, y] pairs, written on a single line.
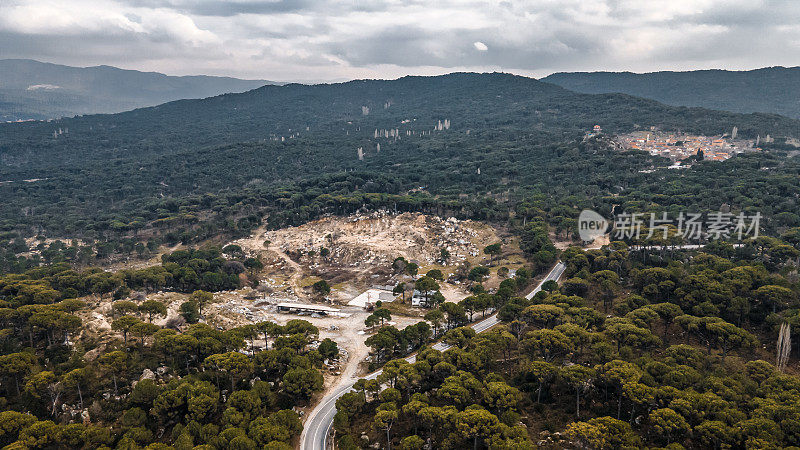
{"points": [[362, 249]]}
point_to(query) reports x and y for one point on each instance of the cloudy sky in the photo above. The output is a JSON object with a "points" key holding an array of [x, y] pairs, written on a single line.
{"points": [[333, 40]]}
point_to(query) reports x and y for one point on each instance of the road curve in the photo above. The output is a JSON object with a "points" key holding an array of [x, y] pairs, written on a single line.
{"points": [[320, 421]]}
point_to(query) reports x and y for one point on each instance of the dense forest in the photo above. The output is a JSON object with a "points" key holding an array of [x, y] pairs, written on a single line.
{"points": [[634, 349], [63, 392], [190, 170], [116, 220], [767, 90], [653, 346]]}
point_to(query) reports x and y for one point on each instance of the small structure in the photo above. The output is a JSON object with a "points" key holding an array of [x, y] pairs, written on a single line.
{"points": [[307, 308], [371, 296], [418, 299]]}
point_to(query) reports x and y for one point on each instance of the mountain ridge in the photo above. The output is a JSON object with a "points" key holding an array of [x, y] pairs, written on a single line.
{"points": [[490, 102], [450, 135], [768, 89], [31, 89]]}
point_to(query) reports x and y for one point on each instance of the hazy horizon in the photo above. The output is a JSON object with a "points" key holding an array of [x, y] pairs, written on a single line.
{"points": [[344, 80]]}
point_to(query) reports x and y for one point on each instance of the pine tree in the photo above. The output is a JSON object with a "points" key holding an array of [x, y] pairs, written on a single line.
{"points": [[784, 346]]}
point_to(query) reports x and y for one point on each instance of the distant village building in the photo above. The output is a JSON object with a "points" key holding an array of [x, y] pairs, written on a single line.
{"points": [[679, 146]]}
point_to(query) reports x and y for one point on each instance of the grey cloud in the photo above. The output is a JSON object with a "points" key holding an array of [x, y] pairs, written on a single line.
{"points": [[216, 8], [227, 9], [286, 39]]}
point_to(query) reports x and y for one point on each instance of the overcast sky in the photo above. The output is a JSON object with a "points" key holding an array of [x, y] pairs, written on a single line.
{"points": [[333, 40]]}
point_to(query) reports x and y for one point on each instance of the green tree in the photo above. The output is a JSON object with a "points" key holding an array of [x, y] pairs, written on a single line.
{"points": [[579, 378], [476, 423], [667, 312], [321, 287], [383, 314], [372, 321], [74, 379], [328, 348], [15, 366], [201, 299], [45, 383], [668, 424], [501, 397], [436, 318], [478, 274], [728, 336], [543, 372], [234, 364], [547, 343], [426, 285], [775, 296], [715, 434], [12, 422], [124, 325], [43, 434], [384, 420], [302, 383], [604, 433], [143, 329], [115, 363], [153, 308], [124, 307], [400, 289], [543, 315], [494, 250], [435, 274], [616, 374], [412, 442], [190, 311]]}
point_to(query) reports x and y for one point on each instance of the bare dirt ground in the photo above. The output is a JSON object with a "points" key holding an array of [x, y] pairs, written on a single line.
{"points": [[362, 249]]}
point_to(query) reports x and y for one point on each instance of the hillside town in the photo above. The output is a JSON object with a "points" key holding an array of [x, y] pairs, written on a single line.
{"points": [[679, 146]]}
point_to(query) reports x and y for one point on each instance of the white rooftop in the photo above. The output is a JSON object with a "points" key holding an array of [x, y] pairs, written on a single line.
{"points": [[371, 296]]}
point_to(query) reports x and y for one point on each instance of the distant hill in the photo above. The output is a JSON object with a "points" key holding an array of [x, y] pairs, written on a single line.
{"points": [[266, 145], [490, 102], [769, 90], [35, 90]]}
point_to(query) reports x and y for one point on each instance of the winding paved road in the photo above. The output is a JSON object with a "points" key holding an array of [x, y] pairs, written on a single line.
{"points": [[320, 421]]}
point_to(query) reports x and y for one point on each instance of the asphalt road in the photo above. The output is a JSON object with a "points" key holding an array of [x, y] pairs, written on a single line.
{"points": [[320, 421]]}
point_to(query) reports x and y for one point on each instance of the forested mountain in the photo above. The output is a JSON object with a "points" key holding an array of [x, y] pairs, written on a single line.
{"points": [[477, 102], [292, 152], [36, 90], [767, 90]]}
